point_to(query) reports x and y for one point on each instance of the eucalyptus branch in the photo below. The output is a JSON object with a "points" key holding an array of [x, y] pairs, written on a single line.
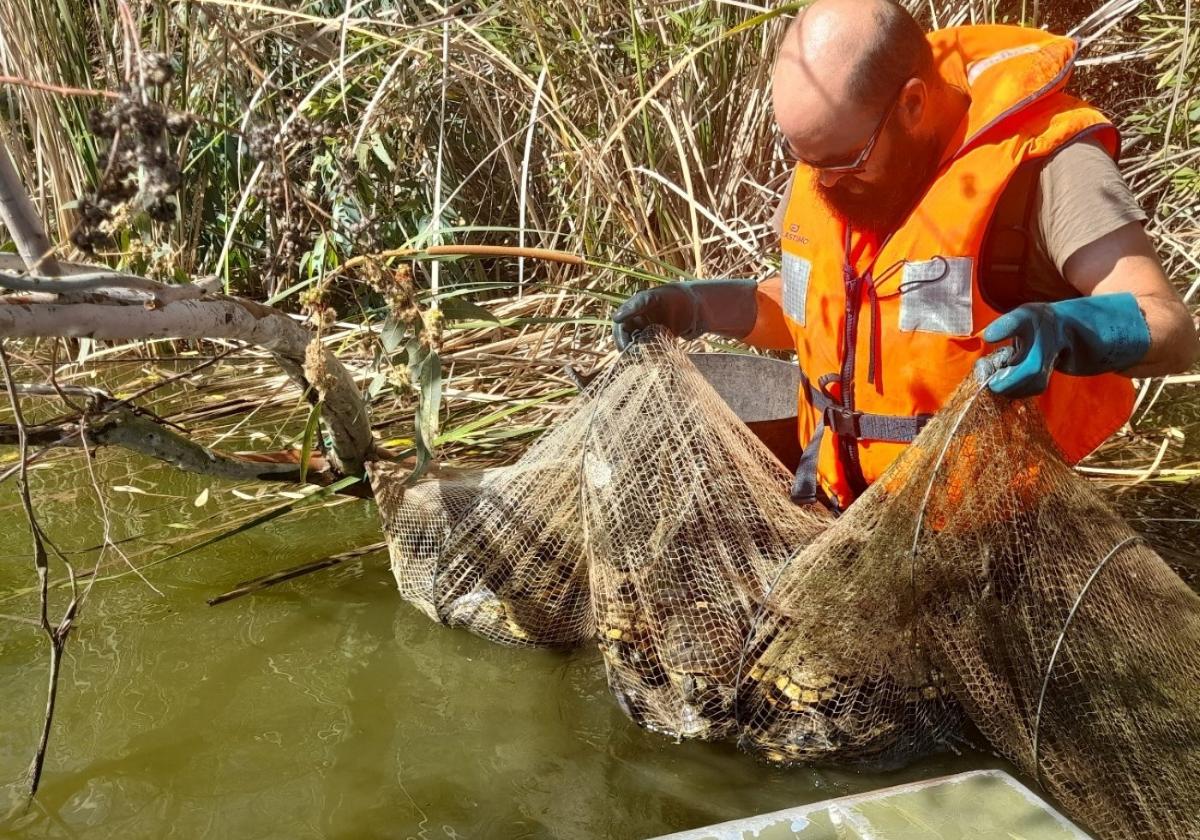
{"points": [[318, 373], [108, 421], [100, 401], [140, 434], [98, 281], [22, 219]]}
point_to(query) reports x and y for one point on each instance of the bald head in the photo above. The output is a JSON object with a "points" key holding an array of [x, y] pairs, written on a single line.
{"points": [[861, 50], [857, 97], [840, 64], [891, 46]]}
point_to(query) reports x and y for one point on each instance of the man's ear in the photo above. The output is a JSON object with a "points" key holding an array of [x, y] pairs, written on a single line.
{"points": [[914, 101]]}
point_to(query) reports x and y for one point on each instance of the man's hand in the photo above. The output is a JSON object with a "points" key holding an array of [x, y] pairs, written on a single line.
{"points": [[689, 309], [674, 306], [1081, 336]]}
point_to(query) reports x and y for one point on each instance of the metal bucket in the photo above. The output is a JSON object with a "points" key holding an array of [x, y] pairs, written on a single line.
{"points": [[762, 392]]}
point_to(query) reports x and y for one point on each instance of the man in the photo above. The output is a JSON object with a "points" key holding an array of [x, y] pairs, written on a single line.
{"points": [[947, 196]]}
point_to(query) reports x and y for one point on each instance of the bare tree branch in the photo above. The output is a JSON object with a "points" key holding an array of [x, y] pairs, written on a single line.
{"points": [[77, 282], [344, 411], [41, 436], [141, 434], [22, 219]]}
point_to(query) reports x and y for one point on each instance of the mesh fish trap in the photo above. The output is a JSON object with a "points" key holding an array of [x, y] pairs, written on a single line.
{"points": [[979, 579], [1072, 646], [500, 552], [982, 577], [687, 523]]}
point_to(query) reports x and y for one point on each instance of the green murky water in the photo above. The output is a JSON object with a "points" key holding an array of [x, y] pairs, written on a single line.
{"points": [[326, 706]]}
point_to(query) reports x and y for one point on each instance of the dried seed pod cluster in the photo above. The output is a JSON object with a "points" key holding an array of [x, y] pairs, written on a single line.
{"points": [[141, 173], [285, 152]]}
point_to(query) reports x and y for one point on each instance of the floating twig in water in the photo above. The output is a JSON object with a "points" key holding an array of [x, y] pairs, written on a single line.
{"points": [[260, 583]]}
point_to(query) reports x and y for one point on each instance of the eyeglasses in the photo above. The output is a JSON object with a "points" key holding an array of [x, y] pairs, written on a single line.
{"points": [[852, 167]]}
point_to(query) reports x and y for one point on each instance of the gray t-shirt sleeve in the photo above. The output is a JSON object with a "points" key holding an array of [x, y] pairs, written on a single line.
{"points": [[1081, 197]]}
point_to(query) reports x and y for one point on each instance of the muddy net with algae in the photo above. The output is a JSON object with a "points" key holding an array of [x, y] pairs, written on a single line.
{"points": [[980, 579]]}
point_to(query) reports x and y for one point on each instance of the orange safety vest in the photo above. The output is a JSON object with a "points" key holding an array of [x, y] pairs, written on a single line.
{"points": [[885, 332]]}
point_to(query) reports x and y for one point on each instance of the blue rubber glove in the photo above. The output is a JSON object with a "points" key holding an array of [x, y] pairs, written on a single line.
{"points": [[1082, 336], [689, 309]]}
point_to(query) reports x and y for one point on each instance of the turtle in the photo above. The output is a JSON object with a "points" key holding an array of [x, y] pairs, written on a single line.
{"points": [[807, 711], [635, 672], [822, 718], [509, 575], [671, 652]]}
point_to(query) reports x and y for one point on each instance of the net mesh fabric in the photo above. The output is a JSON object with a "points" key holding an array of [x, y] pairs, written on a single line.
{"points": [[835, 669], [687, 522], [499, 552], [980, 578], [1071, 644]]}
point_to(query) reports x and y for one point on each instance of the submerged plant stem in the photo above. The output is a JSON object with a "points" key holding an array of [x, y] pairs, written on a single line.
{"points": [[57, 636]]}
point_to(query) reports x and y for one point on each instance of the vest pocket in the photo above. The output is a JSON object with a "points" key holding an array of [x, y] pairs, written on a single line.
{"points": [[935, 296], [795, 271]]}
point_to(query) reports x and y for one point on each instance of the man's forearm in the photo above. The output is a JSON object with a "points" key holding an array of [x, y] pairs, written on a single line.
{"points": [[1174, 345], [1124, 260]]}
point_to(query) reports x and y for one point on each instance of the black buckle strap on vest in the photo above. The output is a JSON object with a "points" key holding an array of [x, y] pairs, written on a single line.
{"points": [[843, 422], [850, 426], [859, 425], [804, 486]]}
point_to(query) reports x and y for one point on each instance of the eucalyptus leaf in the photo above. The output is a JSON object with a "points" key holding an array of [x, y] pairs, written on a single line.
{"points": [[376, 385], [461, 309], [393, 333], [381, 152]]}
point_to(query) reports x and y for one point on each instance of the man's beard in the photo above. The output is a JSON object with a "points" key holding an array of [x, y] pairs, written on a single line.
{"points": [[880, 208]]}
